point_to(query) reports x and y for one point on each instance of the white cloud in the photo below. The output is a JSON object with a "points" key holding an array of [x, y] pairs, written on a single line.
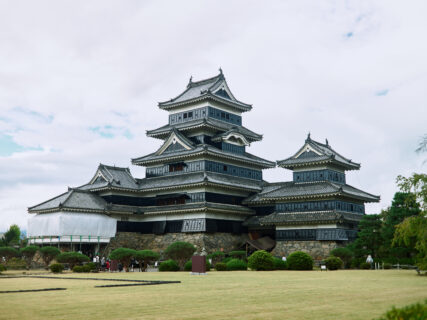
{"points": [[67, 67]]}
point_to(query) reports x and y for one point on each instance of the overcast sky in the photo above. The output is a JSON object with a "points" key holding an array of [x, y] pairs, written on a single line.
{"points": [[80, 82]]}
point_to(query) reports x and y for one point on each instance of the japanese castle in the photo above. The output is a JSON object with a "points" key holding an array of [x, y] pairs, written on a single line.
{"points": [[202, 186]]}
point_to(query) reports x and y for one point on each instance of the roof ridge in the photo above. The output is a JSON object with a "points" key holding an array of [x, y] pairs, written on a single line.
{"points": [[60, 195], [192, 84], [113, 167], [67, 198]]}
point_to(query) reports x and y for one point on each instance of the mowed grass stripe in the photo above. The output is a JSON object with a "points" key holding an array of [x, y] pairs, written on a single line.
{"points": [[354, 294]]}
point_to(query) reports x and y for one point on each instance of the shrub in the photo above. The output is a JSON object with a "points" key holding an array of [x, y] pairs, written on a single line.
{"points": [[216, 257], [188, 266], [238, 254], [387, 265], [16, 264], [8, 253], [28, 254], [236, 264], [124, 255], [333, 263], [87, 268], [56, 267], [180, 251], [48, 254], [72, 258], [299, 260], [261, 260], [169, 265], [365, 266], [416, 311], [91, 266], [345, 254], [145, 257], [2, 268], [208, 265], [279, 264], [221, 266], [78, 269], [225, 260]]}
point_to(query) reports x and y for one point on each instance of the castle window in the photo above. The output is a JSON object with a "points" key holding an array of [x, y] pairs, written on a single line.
{"points": [[225, 168], [227, 116], [190, 114], [185, 115], [222, 114], [176, 167]]}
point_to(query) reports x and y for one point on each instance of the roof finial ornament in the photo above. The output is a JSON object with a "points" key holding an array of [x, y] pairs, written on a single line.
{"points": [[191, 79], [327, 143], [308, 136], [220, 71]]}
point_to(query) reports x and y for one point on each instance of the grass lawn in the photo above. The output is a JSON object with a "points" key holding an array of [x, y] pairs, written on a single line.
{"points": [[355, 294]]}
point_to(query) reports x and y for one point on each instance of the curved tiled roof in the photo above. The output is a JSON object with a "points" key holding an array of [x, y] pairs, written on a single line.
{"points": [[73, 199], [217, 125], [204, 90], [307, 217], [323, 154], [292, 190], [200, 150]]}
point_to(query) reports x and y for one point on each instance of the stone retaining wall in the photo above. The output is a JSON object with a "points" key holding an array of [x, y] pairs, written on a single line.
{"points": [[210, 241], [318, 250]]}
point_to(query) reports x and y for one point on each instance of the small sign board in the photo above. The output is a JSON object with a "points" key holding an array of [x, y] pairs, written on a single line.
{"points": [[198, 265]]}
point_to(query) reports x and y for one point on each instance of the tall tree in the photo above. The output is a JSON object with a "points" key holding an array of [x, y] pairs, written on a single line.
{"points": [[11, 236], [369, 237], [404, 205], [412, 232]]}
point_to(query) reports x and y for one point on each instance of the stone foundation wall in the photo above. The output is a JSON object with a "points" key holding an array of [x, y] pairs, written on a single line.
{"points": [[210, 241], [318, 250]]}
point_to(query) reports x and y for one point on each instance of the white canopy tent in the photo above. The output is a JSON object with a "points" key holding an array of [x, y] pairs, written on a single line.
{"points": [[71, 227]]}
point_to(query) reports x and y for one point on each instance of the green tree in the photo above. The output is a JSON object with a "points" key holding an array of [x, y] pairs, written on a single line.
{"points": [[8, 253], [124, 255], [72, 258], [180, 251], [28, 254], [48, 254], [404, 205], [144, 257], [369, 237], [412, 232], [417, 185], [345, 254], [11, 236]]}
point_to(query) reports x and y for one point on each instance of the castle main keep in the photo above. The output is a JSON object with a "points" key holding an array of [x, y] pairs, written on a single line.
{"points": [[203, 186]]}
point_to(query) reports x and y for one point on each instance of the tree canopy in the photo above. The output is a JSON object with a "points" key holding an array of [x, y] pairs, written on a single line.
{"points": [[11, 236], [124, 255], [180, 251], [48, 254], [72, 258], [28, 254]]}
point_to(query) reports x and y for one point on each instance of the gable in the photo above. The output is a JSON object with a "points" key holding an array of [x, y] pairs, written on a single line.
{"points": [[175, 142], [222, 93], [98, 177], [307, 151]]}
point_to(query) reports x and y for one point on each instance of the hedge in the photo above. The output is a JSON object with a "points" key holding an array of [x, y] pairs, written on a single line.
{"points": [[416, 311], [169, 265], [299, 260], [279, 264], [56, 267], [261, 260], [333, 263], [221, 266], [236, 264]]}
